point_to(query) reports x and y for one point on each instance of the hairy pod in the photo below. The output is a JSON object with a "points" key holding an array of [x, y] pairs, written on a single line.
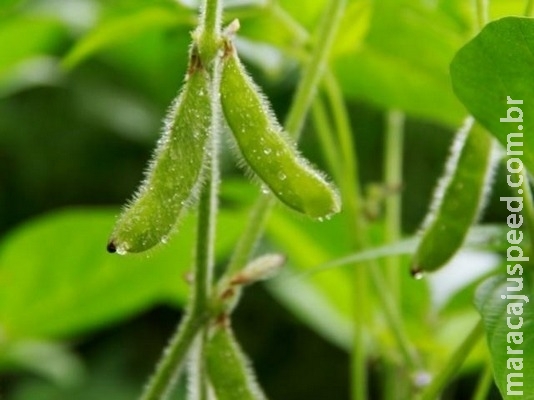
{"points": [[175, 171], [267, 149], [458, 200], [228, 369]]}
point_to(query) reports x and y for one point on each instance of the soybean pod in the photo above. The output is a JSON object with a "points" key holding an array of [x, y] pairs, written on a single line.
{"points": [[268, 151], [174, 174], [227, 368], [458, 200]]}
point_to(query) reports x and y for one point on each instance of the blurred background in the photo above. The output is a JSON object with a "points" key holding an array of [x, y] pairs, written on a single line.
{"points": [[84, 87]]}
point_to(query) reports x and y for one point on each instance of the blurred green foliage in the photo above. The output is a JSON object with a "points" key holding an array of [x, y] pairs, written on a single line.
{"points": [[84, 85]]}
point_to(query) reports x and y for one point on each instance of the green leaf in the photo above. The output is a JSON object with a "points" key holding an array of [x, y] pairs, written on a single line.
{"points": [[49, 360], [495, 311], [124, 29], [496, 65], [26, 37], [56, 278]]}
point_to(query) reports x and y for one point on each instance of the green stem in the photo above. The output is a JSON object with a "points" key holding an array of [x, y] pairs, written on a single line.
{"points": [[484, 384], [315, 68], [296, 117], [529, 8], [393, 182], [452, 367], [482, 13], [351, 195], [326, 139], [351, 200], [251, 235], [161, 384], [209, 30], [206, 238]]}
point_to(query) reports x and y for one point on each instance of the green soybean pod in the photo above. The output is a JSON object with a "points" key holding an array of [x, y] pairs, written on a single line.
{"points": [[267, 149], [174, 174], [458, 200], [228, 369]]}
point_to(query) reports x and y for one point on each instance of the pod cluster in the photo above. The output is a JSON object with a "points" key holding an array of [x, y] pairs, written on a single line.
{"points": [[182, 154]]}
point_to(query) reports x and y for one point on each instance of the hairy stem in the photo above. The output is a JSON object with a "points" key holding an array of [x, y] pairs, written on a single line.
{"points": [[164, 379], [162, 382], [453, 365]]}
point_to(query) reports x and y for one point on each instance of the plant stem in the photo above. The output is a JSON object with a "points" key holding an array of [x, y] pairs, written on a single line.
{"points": [[529, 9], [206, 238], [208, 33], [482, 13], [351, 195], [484, 384], [162, 382], [393, 181], [294, 122], [353, 206], [326, 139], [453, 365], [251, 235], [316, 66]]}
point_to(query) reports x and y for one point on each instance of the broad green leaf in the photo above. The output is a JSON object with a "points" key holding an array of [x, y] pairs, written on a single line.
{"points": [[125, 29], [49, 360], [56, 278], [498, 315], [493, 69], [403, 61], [26, 37]]}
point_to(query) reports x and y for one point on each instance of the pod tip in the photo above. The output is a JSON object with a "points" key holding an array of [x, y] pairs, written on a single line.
{"points": [[111, 248]]}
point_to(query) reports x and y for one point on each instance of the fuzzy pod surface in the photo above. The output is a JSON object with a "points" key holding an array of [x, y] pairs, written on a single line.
{"points": [[265, 147], [228, 368], [175, 171], [459, 198]]}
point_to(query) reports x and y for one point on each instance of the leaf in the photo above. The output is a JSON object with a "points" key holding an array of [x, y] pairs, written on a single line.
{"points": [[124, 29], [56, 278], [499, 335], [496, 65], [49, 360], [26, 37]]}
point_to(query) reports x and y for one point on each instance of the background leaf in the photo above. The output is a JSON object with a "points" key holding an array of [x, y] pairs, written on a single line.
{"points": [[497, 63], [494, 313]]}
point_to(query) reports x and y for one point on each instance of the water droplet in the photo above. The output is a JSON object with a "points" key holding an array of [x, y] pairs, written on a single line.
{"points": [[422, 379], [282, 176], [320, 219], [418, 274], [267, 151], [164, 240], [264, 190], [121, 251]]}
